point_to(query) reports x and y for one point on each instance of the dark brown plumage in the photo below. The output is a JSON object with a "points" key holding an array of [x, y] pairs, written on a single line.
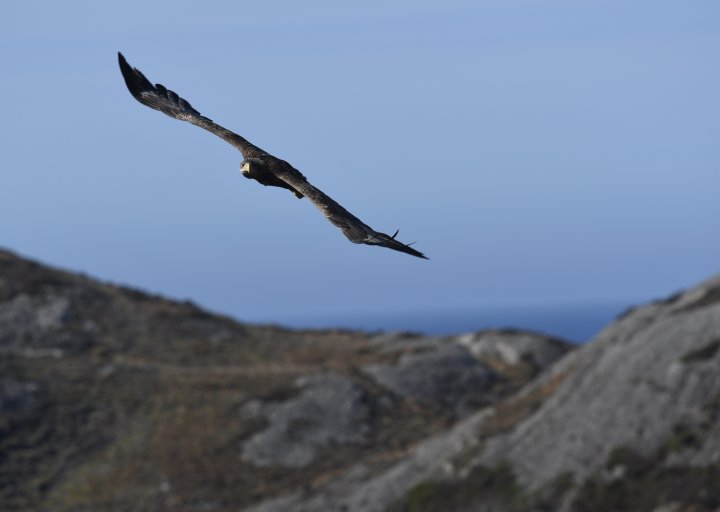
{"points": [[258, 164]]}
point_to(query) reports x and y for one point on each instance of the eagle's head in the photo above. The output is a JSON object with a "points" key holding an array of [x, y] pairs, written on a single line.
{"points": [[251, 168]]}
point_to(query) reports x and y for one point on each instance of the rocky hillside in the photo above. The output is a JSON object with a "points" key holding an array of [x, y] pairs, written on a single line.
{"points": [[115, 400], [629, 422]]}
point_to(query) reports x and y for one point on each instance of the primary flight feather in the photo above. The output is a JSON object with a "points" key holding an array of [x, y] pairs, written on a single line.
{"points": [[258, 164]]}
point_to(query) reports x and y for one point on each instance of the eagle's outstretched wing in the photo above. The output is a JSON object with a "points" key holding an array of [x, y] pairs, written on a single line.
{"points": [[169, 103], [356, 230]]}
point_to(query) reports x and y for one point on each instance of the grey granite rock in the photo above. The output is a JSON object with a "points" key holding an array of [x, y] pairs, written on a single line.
{"points": [[444, 374], [514, 347], [330, 409], [25, 319], [631, 386]]}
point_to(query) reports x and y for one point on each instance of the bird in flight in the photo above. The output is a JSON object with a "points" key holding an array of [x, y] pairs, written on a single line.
{"points": [[257, 164]]}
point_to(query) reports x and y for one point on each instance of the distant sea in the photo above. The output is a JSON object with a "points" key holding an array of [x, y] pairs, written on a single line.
{"points": [[576, 323]]}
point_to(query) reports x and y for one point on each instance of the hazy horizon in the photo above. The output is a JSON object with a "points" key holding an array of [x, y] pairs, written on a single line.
{"points": [[575, 322]]}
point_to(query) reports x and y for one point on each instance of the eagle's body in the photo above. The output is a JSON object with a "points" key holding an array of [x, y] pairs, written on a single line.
{"points": [[258, 164], [262, 172]]}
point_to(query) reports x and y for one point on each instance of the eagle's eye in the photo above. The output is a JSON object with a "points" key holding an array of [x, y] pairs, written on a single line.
{"points": [[245, 168]]}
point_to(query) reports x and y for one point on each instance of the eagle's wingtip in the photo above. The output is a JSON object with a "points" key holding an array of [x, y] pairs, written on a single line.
{"points": [[124, 66]]}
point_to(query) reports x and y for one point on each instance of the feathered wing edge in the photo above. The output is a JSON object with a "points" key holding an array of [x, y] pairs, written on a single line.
{"points": [[353, 228], [154, 96], [170, 103]]}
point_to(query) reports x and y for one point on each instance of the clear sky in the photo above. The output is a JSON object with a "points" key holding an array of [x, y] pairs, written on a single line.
{"points": [[539, 152]]}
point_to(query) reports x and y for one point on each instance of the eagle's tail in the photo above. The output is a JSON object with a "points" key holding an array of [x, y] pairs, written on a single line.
{"points": [[391, 243]]}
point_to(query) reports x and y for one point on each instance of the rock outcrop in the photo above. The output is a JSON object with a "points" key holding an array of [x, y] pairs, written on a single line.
{"points": [[631, 421], [330, 409]]}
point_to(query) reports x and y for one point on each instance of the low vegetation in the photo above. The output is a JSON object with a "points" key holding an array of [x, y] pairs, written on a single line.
{"points": [[646, 484]]}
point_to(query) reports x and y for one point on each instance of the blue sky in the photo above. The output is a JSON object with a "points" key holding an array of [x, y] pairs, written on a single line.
{"points": [[539, 152]]}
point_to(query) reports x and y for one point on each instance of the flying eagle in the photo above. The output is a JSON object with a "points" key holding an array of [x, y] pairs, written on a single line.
{"points": [[259, 165]]}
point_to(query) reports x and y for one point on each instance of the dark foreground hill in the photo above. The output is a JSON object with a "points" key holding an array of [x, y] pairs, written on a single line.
{"points": [[115, 400]]}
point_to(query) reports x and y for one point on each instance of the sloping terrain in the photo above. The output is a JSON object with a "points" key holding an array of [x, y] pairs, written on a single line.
{"points": [[112, 399], [628, 422]]}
